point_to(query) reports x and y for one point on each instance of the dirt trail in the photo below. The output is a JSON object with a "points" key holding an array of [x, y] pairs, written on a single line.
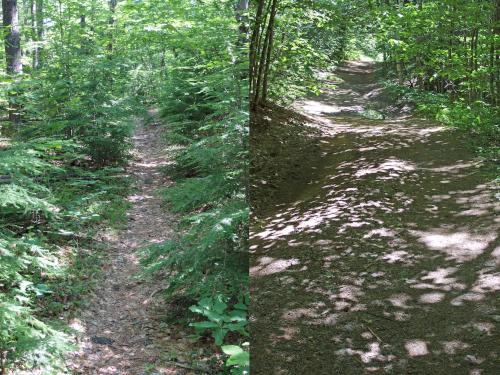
{"points": [[120, 332], [387, 259]]}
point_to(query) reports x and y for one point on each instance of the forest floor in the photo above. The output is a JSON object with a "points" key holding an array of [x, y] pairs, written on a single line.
{"points": [[121, 329], [379, 249]]}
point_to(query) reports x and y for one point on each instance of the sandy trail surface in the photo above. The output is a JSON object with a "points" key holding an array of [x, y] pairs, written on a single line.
{"points": [[385, 259]]}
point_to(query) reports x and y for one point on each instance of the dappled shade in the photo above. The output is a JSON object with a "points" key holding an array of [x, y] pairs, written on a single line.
{"points": [[387, 260]]}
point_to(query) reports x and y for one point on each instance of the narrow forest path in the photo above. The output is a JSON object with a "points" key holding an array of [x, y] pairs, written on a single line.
{"points": [[386, 260], [120, 329]]}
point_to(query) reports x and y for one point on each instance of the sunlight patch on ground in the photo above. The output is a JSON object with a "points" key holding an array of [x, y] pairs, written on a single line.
{"points": [[441, 276], [314, 316], [487, 283], [382, 232], [373, 353], [400, 300], [269, 266], [397, 256], [460, 246], [318, 108], [452, 347], [139, 198], [469, 297], [287, 333], [416, 348], [453, 168], [439, 279], [391, 166], [431, 297], [152, 164], [496, 256], [77, 325]]}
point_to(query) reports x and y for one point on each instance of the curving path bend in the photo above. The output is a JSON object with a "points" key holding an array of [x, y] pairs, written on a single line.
{"points": [[387, 260]]}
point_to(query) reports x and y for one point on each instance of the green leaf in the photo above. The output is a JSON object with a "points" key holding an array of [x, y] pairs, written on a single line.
{"points": [[219, 335], [239, 359], [231, 349], [204, 325]]}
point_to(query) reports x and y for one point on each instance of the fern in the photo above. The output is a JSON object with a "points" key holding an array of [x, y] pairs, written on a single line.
{"points": [[203, 104]]}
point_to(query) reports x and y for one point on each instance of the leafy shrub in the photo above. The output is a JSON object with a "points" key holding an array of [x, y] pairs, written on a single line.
{"points": [[478, 119], [204, 105], [239, 358], [220, 318], [23, 337], [45, 201]]}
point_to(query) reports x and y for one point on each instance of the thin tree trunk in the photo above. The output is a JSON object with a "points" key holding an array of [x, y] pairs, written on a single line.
{"points": [[12, 36], [265, 54], [260, 71], [12, 49], [254, 47], [39, 33], [269, 52], [494, 15], [34, 62], [3, 362], [242, 16]]}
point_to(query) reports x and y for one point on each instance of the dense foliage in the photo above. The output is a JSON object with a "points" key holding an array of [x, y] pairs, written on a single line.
{"points": [[204, 102], [76, 74], [60, 170], [48, 258], [445, 52], [292, 40], [449, 52]]}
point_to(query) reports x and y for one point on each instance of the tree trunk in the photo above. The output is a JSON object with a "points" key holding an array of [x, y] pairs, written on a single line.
{"points": [[12, 36], [3, 362], [39, 32], [36, 8], [242, 17], [264, 61], [254, 48], [34, 62], [12, 49], [269, 52]]}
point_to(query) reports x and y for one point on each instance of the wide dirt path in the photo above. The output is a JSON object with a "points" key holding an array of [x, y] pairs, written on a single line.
{"points": [[387, 260], [120, 330]]}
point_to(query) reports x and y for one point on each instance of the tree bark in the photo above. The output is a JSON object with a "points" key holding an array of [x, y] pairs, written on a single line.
{"points": [[241, 10], [269, 56], [254, 48], [242, 17], [12, 49], [39, 32], [263, 61], [36, 7], [12, 36]]}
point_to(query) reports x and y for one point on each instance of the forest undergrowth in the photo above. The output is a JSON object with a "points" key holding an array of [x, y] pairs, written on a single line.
{"points": [[88, 71], [50, 212]]}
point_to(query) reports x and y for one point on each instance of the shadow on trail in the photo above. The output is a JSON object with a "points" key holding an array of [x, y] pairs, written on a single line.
{"points": [[388, 261]]}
